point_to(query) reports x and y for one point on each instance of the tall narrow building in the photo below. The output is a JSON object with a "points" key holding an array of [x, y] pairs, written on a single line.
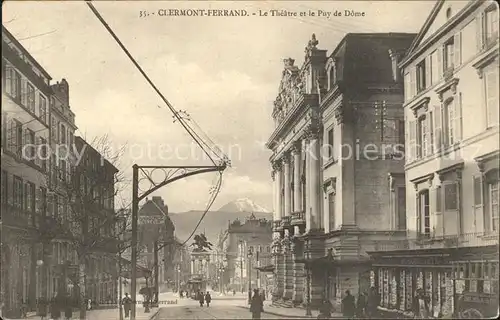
{"points": [[452, 167]]}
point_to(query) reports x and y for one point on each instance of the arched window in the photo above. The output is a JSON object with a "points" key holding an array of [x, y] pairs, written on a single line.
{"points": [[448, 13]]}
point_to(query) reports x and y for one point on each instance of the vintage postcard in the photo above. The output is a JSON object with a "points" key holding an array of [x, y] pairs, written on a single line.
{"points": [[250, 159]]}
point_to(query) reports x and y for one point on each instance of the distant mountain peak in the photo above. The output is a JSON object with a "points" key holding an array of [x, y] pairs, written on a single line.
{"points": [[243, 205]]}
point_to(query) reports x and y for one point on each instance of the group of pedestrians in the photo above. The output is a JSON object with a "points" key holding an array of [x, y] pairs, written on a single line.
{"points": [[204, 298], [364, 307], [59, 307]]}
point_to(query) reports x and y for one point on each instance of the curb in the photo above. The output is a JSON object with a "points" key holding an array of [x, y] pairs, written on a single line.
{"points": [[282, 315], [153, 317]]}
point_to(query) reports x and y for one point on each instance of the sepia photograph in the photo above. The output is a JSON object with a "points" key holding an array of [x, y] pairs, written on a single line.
{"points": [[222, 159]]}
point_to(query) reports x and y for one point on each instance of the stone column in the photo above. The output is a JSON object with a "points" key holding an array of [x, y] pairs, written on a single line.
{"points": [[278, 265], [315, 179], [277, 166], [192, 266], [298, 273], [297, 192], [287, 185]]}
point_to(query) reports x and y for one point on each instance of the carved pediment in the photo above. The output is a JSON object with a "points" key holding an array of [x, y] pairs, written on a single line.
{"points": [[290, 89]]}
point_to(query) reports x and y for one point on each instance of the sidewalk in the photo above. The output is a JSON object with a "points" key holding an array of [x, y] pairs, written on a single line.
{"points": [[108, 314], [294, 313]]}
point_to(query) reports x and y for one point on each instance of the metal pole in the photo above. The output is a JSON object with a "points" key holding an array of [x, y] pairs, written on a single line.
{"points": [[156, 269], [135, 209], [120, 288]]}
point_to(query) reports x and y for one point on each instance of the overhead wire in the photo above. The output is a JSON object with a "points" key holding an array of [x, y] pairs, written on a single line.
{"points": [[169, 105], [175, 112]]}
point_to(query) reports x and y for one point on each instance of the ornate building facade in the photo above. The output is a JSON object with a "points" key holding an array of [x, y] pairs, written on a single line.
{"points": [[338, 136], [452, 167]]}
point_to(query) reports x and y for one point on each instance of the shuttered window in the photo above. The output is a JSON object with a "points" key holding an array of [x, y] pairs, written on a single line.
{"points": [[491, 87]]}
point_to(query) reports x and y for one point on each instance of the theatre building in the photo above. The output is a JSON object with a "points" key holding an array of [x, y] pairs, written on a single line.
{"points": [[329, 207], [451, 169]]}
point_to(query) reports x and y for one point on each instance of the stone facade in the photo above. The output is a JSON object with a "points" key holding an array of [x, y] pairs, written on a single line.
{"points": [[452, 172], [325, 197]]}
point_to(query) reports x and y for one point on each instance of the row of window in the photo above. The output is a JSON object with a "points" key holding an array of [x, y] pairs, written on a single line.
{"points": [[453, 53], [447, 198], [17, 136], [24, 93], [34, 202]]}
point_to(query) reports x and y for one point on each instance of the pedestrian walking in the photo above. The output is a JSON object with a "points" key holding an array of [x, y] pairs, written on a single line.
{"points": [[361, 305], [421, 302], [208, 299], [348, 305], [256, 305], [127, 304], [234, 292], [42, 308], [201, 298], [68, 307], [372, 303], [55, 311]]}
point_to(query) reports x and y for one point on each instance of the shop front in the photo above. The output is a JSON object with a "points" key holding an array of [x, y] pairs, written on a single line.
{"points": [[459, 282], [397, 275]]}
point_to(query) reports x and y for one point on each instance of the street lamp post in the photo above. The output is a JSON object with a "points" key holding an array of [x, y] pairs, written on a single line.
{"points": [[250, 254]]}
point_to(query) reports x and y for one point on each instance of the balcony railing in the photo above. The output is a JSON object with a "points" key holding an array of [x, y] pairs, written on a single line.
{"points": [[298, 218], [286, 221], [436, 242]]}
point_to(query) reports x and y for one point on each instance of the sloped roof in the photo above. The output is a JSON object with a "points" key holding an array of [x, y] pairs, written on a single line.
{"points": [[426, 25]]}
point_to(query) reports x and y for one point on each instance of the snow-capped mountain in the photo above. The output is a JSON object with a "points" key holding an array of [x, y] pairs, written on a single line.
{"points": [[243, 205]]}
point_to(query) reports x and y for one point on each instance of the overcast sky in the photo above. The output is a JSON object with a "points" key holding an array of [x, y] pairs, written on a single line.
{"points": [[224, 71]]}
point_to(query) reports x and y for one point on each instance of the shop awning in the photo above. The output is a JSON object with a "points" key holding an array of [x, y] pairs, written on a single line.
{"points": [[268, 268], [126, 270]]}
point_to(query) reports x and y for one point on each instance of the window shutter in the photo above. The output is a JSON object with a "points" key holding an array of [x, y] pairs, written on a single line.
{"points": [[428, 68], [479, 31], [428, 134], [413, 82], [457, 41], [438, 127], [412, 140], [25, 139], [491, 78], [24, 93], [439, 61], [10, 134], [457, 126], [477, 183], [438, 226], [418, 217]]}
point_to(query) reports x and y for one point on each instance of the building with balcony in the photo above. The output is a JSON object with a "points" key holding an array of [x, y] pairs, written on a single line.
{"points": [[339, 134], [92, 215], [248, 249], [25, 129], [451, 169]]}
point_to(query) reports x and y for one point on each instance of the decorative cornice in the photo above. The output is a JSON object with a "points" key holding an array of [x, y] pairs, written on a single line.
{"points": [[485, 60], [481, 160], [296, 147], [455, 168], [422, 103], [426, 178], [450, 84], [330, 182]]}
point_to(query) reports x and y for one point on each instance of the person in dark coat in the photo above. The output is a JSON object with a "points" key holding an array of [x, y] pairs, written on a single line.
{"points": [[55, 311], [42, 308], [208, 299], [361, 305], [372, 303], [127, 305], [348, 305], [256, 305], [68, 308], [326, 309], [201, 299]]}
